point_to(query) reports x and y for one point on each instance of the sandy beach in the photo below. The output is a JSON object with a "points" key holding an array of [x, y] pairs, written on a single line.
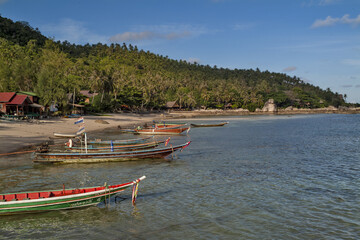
{"points": [[17, 135]]}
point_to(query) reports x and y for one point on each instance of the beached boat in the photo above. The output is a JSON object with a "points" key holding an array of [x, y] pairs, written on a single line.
{"points": [[167, 126], [154, 126], [114, 147], [66, 135], [161, 131], [120, 142], [30, 202], [76, 157], [209, 125]]}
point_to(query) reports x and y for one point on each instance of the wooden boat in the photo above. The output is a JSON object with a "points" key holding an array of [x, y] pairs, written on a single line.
{"points": [[76, 157], [161, 131], [155, 126], [168, 126], [209, 125], [66, 135], [30, 202], [120, 142], [128, 130], [116, 148]]}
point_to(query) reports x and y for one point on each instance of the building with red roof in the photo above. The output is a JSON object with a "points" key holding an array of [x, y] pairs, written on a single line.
{"points": [[12, 103], [6, 96]]}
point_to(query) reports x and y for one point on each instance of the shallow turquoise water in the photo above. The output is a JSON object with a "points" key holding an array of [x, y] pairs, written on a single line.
{"points": [[262, 177]]}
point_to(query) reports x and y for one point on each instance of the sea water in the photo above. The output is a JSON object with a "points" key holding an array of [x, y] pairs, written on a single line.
{"points": [[258, 177]]}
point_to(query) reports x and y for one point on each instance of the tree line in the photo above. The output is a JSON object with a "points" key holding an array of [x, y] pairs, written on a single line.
{"points": [[123, 75]]}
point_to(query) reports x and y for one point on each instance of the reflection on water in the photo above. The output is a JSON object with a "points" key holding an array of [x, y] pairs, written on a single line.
{"points": [[262, 177]]}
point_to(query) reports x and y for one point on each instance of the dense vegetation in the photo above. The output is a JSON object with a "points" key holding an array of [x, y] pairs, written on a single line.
{"points": [[125, 75]]}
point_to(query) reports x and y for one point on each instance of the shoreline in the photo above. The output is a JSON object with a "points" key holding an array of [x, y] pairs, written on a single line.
{"points": [[21, 135]]}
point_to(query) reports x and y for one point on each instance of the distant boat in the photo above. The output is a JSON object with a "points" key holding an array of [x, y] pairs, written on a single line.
{"points": [[120, 142], [209, 125], [165, 125], [161, 131], [66, 135], [114, 147], [76, 157], [32, 202], [156, 126]]}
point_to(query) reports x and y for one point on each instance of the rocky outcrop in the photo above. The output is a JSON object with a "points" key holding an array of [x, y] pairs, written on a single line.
{"points": [[101, 121], [269, 106]]}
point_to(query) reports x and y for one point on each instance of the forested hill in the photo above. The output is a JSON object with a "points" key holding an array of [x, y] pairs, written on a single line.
{"points": [[125, 75], [19, 32]]}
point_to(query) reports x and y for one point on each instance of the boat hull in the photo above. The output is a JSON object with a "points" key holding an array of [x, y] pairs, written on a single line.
{"points": [[65, 135], [106, 156], [122, 142], [69, 201], [161, 131], [208, 125], [116, 148], [49, 205]]}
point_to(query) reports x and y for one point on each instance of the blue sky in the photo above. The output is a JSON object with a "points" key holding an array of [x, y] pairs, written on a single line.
{"points": [[315, 40]]}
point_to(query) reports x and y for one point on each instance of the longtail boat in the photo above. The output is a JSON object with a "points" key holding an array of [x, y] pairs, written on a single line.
{"points": [[161, 131], [154, 126], [169, 123], [76, 157], [168, 126], [209, 125], [120, 142], [31, 202], [66, 135], [129, 147]]}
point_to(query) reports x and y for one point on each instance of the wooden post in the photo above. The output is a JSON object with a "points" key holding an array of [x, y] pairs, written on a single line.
{"points": [[85, 143]]}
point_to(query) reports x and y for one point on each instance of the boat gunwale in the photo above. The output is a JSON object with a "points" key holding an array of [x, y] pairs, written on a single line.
{"points": [[97, 193], [113, 153]]}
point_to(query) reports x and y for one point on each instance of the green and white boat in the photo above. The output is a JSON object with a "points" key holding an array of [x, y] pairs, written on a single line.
{"points": [[31, 202]]}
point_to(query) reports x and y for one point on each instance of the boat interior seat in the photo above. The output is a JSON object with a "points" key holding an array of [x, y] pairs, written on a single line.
{"points": [[21, 196], [44, 194], [10, 197], [34, 195]]}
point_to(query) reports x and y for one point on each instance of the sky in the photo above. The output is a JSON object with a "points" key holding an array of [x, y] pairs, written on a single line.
{"points": [[315, 40]]}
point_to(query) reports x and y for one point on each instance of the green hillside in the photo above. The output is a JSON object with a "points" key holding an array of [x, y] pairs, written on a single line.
{"points": [[125, 75]]}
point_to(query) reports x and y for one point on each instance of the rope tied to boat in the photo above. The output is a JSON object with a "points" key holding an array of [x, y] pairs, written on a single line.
{"points": [[135, 191], [106, 189], [187, 144], [167, 141]]}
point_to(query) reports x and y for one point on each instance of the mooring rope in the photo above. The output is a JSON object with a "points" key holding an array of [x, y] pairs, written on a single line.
{"points": [[12, 153], [28, 151]]}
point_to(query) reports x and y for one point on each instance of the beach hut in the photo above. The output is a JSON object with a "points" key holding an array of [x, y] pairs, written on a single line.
{"points": [[12, 103], [88, 95], [5, 98], [172, 105]]}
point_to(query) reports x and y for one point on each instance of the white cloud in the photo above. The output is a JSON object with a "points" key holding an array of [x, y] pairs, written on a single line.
{"points": [[163, 32], [346, 86], [312, 3], [73, 32], [352, 62], [128, 36], [147, 35], [244, 26], [328, 2], [306, 80], [289, 69], [330, 21], [194, 60]]}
